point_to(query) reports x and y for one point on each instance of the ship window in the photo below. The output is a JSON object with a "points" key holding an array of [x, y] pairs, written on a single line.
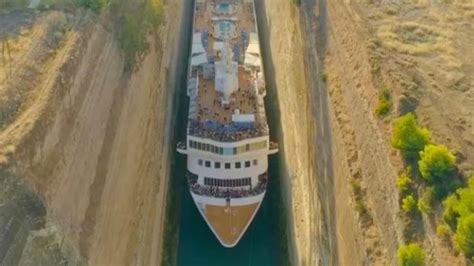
{"points": [[255, 162], [247, 147], [238, 165], [217, 165], [221, 150], [247, 164], [227, 165], [208, 164], [200, 162]]}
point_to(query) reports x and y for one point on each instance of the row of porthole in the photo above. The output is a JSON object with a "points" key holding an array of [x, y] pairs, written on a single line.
{"points": [[218, 165]]}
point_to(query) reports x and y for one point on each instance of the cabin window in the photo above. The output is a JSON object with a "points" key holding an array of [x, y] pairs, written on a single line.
{"points": [[227, 165], [238, 165], [200, 162], [247, 164], [208, 164], [217, 165]]}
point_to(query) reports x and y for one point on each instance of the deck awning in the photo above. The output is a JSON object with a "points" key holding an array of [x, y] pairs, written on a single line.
{"points": [[199, 59], [253, 49], [252, 60], [197, 47]]}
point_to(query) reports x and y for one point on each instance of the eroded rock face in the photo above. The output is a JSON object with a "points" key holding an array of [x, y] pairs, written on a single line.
{"points": [[96, 152]]}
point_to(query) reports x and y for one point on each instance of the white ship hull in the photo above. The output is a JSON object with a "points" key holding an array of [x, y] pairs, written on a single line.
{"points": [[228, 143]]}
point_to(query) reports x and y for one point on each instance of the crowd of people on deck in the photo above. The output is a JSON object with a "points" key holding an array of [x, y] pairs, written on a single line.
{"points": [[225, 132], [225, 192]]}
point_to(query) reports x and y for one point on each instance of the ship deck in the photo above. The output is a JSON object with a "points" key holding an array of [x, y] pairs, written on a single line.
{"points": [[243, 99], [229, 222], [208, 102]]}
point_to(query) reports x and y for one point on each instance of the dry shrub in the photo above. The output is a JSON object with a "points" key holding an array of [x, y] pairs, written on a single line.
{"points": [[413, 38]]}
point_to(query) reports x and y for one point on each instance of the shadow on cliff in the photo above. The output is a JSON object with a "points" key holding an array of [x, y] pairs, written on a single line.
{"points": [[282, 179]]}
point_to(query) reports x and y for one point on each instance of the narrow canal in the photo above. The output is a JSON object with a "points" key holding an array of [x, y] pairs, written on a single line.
{"points": [[189, 240]]}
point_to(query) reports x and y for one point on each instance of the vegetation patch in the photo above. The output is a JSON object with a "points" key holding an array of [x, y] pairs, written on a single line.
{"points": [[459, 218], [426, 202], [135, 23], [409, 137], [437, 167], [360, 205], [404, 182], [413, 38], [297, 2], [385, 103], [409, 204], [411, 255]]}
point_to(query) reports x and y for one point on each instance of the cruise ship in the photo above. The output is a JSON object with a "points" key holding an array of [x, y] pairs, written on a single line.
{"points": [[227, 142]]}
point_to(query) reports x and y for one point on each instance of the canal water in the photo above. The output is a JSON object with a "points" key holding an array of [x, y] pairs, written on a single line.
{"points": [[265, 242]]}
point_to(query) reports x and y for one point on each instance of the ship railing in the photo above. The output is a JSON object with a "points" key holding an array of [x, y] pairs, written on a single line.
{"points": [[225, 133]]}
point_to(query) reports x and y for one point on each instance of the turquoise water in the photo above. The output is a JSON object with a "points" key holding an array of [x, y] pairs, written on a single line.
{"points": [[223, 8], [225, 26]]}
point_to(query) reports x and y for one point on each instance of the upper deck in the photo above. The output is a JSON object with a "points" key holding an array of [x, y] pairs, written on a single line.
{"points": [[226, 84]]}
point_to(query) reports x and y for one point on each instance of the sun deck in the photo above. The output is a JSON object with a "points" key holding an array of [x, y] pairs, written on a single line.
{"points": [[211, 109], [226, 83]]}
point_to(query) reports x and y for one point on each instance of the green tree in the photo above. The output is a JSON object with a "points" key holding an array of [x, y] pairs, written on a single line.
{"points": [[133, 40], [411, 255], [155, 12], [408, 137], [459, 204], [409, 204], [464, 237], [437, 166], [404, 183], [385, 103]]}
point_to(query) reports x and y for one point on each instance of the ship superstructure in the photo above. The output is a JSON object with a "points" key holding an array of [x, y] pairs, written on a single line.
{"points": [[227, 144]]}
